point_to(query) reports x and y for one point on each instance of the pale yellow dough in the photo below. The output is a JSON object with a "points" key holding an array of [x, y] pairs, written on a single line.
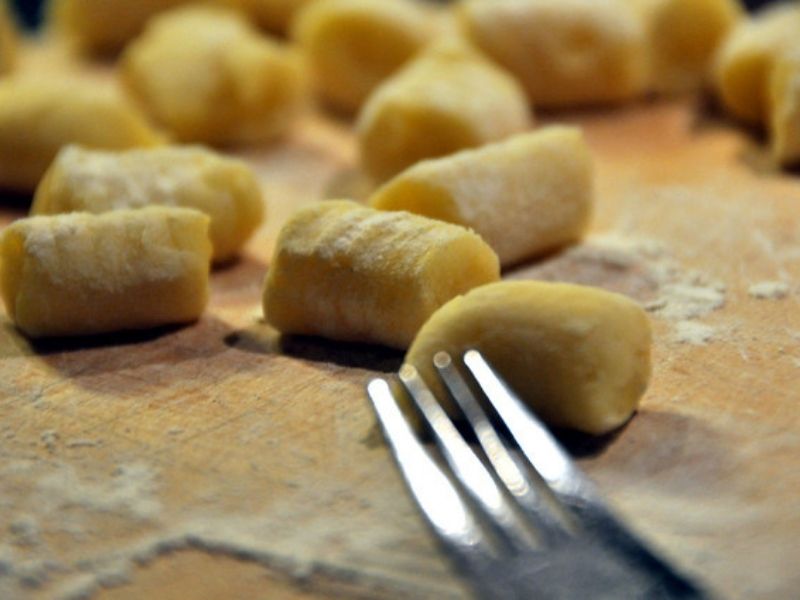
{"points": [[79, 274], [524, 196], [564, 52], [579, 356], [40, 116], [105, 26], [274, 15], [226, 189], [683, 37], [448, 98], [207, 75], [785, 109], [353, 45], [746, 59], [347, 272], [8, 39]]}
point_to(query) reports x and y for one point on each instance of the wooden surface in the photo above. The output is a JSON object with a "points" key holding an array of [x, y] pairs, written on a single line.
{"points": [[219, 460]]}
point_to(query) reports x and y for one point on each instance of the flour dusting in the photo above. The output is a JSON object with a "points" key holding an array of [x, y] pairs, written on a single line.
{"points": [[677, 294], [691, 332], [769, 290]]}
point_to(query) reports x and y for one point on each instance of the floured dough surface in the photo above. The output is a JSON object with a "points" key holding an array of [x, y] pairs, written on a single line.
{"points": [[80, 274], [226, 189]]}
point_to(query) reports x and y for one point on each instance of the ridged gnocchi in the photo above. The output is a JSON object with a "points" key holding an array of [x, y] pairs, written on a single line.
{"points": [[80, 274], [347, 272], [226, 189], [524, 196]]}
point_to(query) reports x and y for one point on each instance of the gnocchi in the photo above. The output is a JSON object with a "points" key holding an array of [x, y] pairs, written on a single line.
{"points": [[743, 66], [785, 109], [684, 36], [353, 45], [347, 272], [580, 356], [8, 40], [226, 189], [564, 52], [447, 99], [524, 196], [207, 75], [79, 274], [40, 116]]}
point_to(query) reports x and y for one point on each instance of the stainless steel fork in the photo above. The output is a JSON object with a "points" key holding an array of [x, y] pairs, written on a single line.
{"points": [[531, 525]]}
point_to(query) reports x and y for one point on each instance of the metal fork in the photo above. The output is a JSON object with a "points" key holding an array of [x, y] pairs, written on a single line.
{"points": [[533, 526]]}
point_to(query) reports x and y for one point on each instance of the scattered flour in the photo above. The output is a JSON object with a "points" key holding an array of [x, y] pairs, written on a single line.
{"points": [[129, 491], [691, 332], [769, 290], [682, 295]]}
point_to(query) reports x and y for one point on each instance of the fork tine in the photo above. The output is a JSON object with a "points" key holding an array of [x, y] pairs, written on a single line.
{"points": [[437, 497], [569, 485], [532, 503], [467, 467]]}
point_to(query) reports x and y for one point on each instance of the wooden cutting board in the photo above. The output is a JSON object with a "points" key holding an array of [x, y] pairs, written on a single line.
{"points": [[219, 460]]}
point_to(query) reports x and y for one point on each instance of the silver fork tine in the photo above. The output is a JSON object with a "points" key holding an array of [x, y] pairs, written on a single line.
{"points": [[515, 479], [569, 484], [436, 496], [468, 468]]}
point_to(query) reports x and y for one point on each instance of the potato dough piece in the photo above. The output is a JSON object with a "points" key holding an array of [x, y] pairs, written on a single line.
{"points": [[39, 116], [785, 111], [224, 188], [102, 26], [447, 99], [274, 15], [683, 37], [524, 196], [82, 274], [8, 40], [209, 76], [747, 57], [579, 356], [564, 52], [347, 272], [353, 45]]}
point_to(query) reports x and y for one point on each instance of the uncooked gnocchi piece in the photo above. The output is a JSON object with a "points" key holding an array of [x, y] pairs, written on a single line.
{"points": [[684, 36], [353, 45], [446, 99], [274, 15], [347, 272], [207, 75], [8, 40], [564, 52], [40, 116], [785, 109], [524, 196], [579, 356], [745, 60], [226, 189], [80, 274], [103, 26]]}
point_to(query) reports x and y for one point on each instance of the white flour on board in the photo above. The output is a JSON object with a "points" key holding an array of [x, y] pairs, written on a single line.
{"points": [[769, 290], [681, 296]]}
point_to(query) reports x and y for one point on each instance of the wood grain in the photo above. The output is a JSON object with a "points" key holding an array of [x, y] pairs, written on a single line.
{"points": [[226, 460]]}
